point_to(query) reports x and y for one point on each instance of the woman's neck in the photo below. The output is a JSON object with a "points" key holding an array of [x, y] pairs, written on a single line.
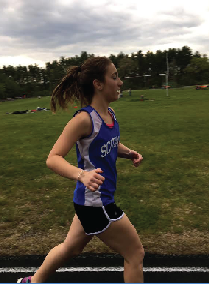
{"points": [[100, 107]]}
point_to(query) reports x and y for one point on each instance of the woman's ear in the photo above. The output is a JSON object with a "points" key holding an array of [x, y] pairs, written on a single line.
{"points": [[97, 85]]}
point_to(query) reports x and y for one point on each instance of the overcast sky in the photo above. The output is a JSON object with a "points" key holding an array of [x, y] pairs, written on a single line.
{"points": [[41, 31]]}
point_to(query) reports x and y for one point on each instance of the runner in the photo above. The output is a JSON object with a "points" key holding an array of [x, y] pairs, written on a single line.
{"points": [[95, 131]]}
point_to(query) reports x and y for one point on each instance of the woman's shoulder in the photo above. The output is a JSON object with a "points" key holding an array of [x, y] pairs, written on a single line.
{"points": [[83, 117], [81, 123]]}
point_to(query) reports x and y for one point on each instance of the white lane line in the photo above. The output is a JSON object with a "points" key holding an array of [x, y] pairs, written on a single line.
{"points": [[108, 269]]}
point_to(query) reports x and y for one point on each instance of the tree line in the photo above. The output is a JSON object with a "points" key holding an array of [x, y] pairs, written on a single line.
{"points": [[137, 71]]}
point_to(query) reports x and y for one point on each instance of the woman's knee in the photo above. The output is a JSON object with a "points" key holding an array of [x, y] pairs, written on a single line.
{"points": [[136, 257], [71, 250], [139, 254], [142, 253]]}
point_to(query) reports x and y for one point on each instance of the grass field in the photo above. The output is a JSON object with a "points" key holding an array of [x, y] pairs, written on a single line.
{"points": [[166, 198]]}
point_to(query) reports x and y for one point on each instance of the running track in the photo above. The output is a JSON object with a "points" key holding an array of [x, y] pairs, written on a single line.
{"points": [[103, 268]]}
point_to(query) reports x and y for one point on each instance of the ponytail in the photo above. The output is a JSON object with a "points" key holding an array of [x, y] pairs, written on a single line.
{"points": [[68, 90]]}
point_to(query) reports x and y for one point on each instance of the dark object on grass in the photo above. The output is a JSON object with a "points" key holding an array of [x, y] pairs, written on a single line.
{"points": [[19, 112], [39, 109], [28, 111]]}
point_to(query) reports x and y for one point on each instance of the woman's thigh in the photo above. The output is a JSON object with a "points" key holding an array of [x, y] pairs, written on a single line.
{"points": [[76, 238], [122, 237]]}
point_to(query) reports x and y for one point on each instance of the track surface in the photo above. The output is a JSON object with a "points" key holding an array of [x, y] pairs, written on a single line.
{"points": [[103, 268]]}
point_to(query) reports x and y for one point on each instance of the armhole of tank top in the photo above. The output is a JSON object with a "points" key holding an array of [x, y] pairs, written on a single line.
{"points": [[91, 123]]}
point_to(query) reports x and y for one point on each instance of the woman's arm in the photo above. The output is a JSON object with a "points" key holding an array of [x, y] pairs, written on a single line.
{"points": [[76, 128], [124, 152]]}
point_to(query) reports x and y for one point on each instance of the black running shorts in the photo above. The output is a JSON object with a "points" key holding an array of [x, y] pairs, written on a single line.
{"points": [[96, 220]]}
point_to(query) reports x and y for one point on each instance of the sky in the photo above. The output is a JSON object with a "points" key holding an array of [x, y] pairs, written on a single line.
{"points": [[41, 31]]}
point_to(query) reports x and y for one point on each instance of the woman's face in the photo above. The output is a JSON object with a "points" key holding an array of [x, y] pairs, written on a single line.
{"points": [[112, 85]]}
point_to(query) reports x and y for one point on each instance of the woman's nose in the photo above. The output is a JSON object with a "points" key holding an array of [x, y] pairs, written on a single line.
{"points": [[120, 82]]}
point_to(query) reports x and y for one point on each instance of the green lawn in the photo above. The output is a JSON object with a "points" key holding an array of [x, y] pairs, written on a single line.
{"points": [[166, 198]]}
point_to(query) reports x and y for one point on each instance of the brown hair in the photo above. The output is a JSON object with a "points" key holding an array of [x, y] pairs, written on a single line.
{"points": [[78, 83]]}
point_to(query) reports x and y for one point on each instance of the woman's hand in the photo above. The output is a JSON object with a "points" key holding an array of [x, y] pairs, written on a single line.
{"points": [[135, 157], [92, 179]]}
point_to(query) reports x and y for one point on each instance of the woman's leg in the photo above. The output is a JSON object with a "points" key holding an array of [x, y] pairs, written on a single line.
{"points": [[123, 238], [73, 245]]}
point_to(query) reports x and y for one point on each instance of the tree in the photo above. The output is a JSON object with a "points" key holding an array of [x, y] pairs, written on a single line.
{"points": [[140, 61], [183, 57], [127, 67], [198, 70], [12, 88], [184, 68], [114, 60], [2, 91]]}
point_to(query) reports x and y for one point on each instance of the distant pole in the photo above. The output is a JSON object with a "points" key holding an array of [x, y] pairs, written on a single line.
{"points": [[167, 74]]}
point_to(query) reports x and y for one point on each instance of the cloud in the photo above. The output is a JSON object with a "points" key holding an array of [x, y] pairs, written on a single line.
{"points": [[47, 30], [39, 26], [56, 26]]}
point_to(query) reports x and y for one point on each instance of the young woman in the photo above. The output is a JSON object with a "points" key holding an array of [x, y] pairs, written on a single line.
{"points": [[95, 131]]}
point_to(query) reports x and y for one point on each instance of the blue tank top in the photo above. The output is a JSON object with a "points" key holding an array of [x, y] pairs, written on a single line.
{"points": [[98, 150]]}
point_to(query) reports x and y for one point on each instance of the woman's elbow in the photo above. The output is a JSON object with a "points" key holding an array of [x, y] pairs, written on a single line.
{"points": [[48, 162]]}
